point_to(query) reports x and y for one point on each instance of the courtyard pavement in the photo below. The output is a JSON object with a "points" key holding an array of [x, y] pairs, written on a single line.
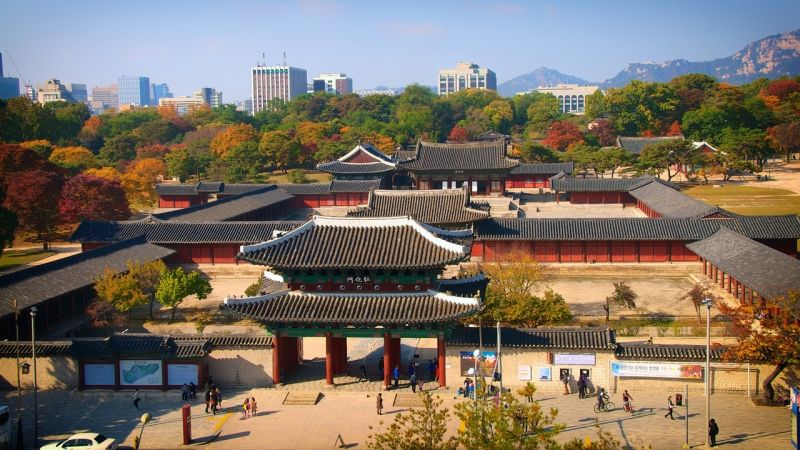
{"points": [[351, 414]]}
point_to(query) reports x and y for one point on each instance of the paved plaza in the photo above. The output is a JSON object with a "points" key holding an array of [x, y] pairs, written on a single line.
{"points": [[350, 414]]}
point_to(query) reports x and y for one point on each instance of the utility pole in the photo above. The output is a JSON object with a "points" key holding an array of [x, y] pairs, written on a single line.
{"points": [[20, 437], [35, 386], [707, 302], [499, 362]]}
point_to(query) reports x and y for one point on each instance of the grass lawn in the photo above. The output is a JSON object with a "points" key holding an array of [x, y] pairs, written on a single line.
{"points": [[748, 200], [16, 258], [312, 175]]}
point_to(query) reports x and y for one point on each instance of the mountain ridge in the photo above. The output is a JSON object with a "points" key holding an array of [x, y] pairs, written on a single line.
{"points": [[772, 57]]}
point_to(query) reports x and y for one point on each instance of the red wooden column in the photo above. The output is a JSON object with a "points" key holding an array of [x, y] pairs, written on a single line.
{"points": [[341, 355], [276, 360], [730, 283], [705, 267], [329, 349], [442, 360], [387, 359]]}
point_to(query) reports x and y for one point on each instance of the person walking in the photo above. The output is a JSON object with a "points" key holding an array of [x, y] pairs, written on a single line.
{"points": [[413, 380], [363, 376], [582, 386], [218, 397], [192, 390], [185, 392], [431, 370], [670, 405], [379, 403], [253, 407], [245, 408], [713, 431], [208, 399], [396, 376], [136, 399], [411, 369], [213, 404]]}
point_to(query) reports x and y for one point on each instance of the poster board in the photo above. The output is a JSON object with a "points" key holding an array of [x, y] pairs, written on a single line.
{"points": [[98, 375], [485, 367], [795, 436], [574, 359], [545, 374], [140, 372], [657, 370], [177, 374], [524, 373]]}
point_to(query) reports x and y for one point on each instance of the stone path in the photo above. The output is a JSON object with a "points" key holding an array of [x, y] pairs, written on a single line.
{"points": [[351, 414]]}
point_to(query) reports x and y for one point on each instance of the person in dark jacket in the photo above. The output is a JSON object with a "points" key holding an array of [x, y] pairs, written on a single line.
{"points": [[713, 431], [396, 376], [670, 405]]}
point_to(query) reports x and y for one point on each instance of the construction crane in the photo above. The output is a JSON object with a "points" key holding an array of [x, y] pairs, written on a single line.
{"points": [[19, 73]]}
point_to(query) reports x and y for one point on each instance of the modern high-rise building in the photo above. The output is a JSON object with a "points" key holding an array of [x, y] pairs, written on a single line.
{"points": [[134, 91], [210, 96], [78, 92], [271, 82], [53, 91], [104, 98], [466, 75], [9, 86], [333, 83], [159, 91]]}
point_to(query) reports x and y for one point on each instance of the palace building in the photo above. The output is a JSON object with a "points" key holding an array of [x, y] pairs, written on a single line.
{"points": [[358, 277]]}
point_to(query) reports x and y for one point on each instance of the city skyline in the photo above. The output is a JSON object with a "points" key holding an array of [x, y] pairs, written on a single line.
{"points": [[220, 44]]}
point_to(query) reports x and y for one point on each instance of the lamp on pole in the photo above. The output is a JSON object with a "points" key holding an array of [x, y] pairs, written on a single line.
{"points": [[476, 356], [707, 373], [20, 437], [34, 310]]}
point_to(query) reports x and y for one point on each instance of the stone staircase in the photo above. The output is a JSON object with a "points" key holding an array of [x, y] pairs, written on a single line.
{"points": [[301, 398], [501, 207]]}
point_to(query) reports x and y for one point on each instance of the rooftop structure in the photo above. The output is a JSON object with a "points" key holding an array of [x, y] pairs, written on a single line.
{"points": [[363, 161], [635, 145], [446, 207]]}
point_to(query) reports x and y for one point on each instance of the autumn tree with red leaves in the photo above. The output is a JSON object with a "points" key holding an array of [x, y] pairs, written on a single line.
{"points": [[603, 132], [561, 135], [458, 135], [89, 197], [767, 331], [33, 197]]}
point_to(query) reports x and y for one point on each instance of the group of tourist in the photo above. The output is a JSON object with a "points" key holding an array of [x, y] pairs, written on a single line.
{"points": [[189, 391], [249, 407]]}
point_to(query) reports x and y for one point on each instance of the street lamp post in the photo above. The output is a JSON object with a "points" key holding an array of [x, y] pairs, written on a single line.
{"points": [[476, 356], [707, 302], [34, 310], [20, 437]]}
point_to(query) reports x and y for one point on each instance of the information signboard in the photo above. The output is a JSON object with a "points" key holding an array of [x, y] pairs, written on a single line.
{"points": [[98, 374], [177, 374], [573, 359], [140, 372], [657, 370], [485, 367]]}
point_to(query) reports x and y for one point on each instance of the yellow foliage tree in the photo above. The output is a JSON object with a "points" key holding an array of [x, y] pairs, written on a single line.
{"points": [[139, 181], [231, 137], [40, 146], [108, 173], [73, 158]]}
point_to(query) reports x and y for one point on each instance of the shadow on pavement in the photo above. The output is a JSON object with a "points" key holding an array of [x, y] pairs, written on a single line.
{"points": [[738, 438]]}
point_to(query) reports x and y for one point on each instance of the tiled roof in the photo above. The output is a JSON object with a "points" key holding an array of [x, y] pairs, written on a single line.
{"points": [[35, 284], [435, 207], [767, 271], [352, 309], [229, 208], [668, 201], [208, 187], [543, 168], [332, 186], [171, 232], [625, 229], [669, 352], [404, 155], [338, 167], [555, 338], [565, 183], [486, 155], [464, 287], [635, 145], [8, 349], [239, 341], [365, 243]]}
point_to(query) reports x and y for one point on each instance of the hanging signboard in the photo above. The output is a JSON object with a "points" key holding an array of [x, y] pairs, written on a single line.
{"points": [[572, 359], [485, 367], [524, 373], [177, 374], [140, 372], [98, 374], [657, 370]]}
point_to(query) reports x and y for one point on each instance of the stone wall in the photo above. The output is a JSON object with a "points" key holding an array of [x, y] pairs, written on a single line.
{"points": [[241, 367], [724, 377], [53, 372]]}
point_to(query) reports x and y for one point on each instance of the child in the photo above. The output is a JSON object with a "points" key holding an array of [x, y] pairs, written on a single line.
{"points": [[253, 407], [245, 408]]}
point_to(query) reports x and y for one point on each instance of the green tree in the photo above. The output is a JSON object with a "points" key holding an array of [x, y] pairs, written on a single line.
{"points": [[297, 176], [417, 429], [542, 111], [281, 149], [118, 148], [641, 107], [747, 143], [584, 157], [513, 426], [596, 105], [244, 162], [623, 297], [614, 158], [179, 164], [500, 115], [148, 277], [175, 285], [510, 298]]}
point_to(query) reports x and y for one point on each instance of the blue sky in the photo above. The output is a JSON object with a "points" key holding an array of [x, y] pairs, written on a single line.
{"points": [[190, 44]]}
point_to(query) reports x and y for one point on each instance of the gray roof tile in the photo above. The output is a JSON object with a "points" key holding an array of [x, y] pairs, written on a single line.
{"points": [[486, 155], [635, 145], [435, 207], [229, 208], [543, 168], [163, 232], [555, 338]]}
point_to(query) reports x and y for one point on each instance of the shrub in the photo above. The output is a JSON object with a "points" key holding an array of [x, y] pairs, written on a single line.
{"points": [[297, 176]]}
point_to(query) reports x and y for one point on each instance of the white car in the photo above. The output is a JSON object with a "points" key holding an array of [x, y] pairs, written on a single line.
{"points": [[84, 441]]}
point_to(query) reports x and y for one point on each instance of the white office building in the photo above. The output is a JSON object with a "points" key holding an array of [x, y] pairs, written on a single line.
{"points": [[571, 97], [271, 82], [466, 75]]}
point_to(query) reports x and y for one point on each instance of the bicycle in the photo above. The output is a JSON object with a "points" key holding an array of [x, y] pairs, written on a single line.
{"points": [[630, 408], [608, 406]]}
